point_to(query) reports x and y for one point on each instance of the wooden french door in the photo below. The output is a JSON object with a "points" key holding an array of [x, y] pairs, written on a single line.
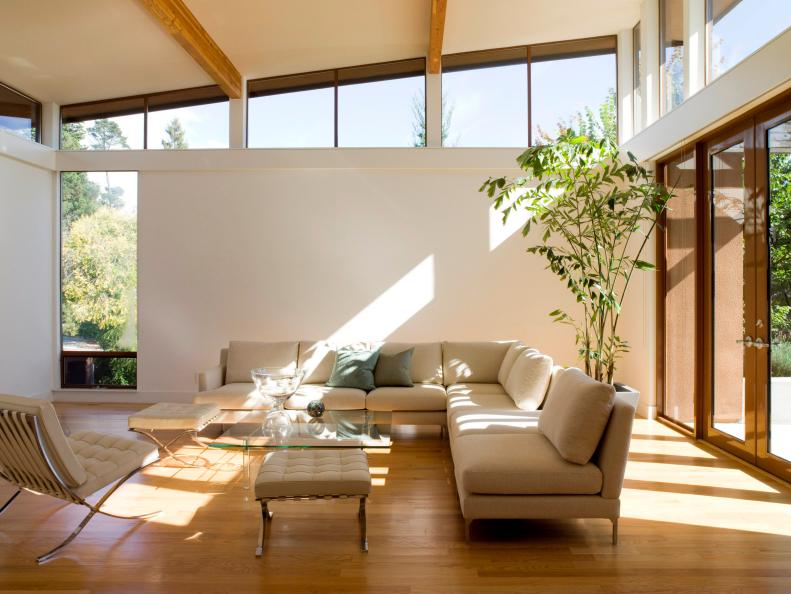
{"points": [[724, 332]]}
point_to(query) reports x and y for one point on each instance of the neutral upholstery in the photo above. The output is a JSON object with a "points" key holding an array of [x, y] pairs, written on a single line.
{"points": [[64, 460], [107, 458], [520, 464], [478, 506], [528, 379], [426, 359], [244, 356], [478, 401], [614, 447], [508, 361], [316, 472], [316, 359], [173, 415], [492, 421], [236, 396], [575, 414], [469, 362], [394, 370], [465, 389], [419, 397], [333, 398]]}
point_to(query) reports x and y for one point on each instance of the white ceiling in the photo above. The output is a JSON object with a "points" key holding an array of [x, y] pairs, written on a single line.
{"points": [[81, 50]]}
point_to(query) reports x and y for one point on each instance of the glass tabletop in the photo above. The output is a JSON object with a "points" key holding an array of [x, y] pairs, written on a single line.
{"points": [[334, 429]]}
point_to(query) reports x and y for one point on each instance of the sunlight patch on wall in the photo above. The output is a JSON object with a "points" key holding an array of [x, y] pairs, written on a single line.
{"points": [[393, 308], [498, 232]]}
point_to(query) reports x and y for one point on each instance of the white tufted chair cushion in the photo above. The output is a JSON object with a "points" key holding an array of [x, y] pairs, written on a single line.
{"points": [[107, 458], [313, 473]]}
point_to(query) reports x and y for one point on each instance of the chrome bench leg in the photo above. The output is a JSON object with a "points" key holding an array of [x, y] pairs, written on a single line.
{"points": [[262, 528], [363, 527], [10, 501]]}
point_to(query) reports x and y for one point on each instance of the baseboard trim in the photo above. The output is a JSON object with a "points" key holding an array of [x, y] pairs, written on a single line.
{"points": [[646, 411]]}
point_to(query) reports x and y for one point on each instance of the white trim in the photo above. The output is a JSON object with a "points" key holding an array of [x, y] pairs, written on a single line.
{"points": [[27, 151]]}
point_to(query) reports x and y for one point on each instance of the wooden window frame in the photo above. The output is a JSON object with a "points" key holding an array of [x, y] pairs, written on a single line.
{"points": [[36, 105]]}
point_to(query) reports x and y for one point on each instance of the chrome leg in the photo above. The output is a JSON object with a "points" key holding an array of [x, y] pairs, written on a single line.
{"points": [[10, 501], [262, 528], [166, 446], [72, 536], [363, 526], [246, 465], [615, 531]]}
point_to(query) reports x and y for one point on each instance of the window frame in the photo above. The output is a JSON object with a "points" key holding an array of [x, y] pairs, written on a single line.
{"points": [[567, 48], [36, 120], [162, 100], [377, 71], [663, 99]]}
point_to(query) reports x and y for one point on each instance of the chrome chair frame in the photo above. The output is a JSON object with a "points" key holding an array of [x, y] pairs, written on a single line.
{"points": [[25, 463]]}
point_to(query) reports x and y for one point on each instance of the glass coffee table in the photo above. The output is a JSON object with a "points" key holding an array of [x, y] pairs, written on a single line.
{"points": [[334, 429]]}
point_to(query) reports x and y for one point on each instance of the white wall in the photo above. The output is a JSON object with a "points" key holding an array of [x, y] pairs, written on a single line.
{"points": [[27, 289], [357, 253]]}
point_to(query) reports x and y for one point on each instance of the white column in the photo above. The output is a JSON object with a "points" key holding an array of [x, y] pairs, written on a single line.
{"points": [[237, 120], [695, 41], [433, 110], [50, 125], [625, 86], [649, 33]]}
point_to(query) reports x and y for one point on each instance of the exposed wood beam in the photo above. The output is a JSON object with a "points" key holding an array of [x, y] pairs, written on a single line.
{"points": [[436, 32], [179, 21]]}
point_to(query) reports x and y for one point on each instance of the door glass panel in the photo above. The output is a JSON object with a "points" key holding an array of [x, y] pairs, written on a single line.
{"points": [[779, 143], [728, 229], [680, 281]]}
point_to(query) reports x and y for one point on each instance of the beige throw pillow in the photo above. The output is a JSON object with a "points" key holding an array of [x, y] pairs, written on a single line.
{"points": [[508, 361], [529, 378], [575, 414]]}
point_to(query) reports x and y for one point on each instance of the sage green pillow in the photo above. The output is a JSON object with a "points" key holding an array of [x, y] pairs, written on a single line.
{"points": [[354, 369], [394, 370]]}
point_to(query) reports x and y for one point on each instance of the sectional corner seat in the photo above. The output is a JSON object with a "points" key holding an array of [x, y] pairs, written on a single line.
{"points": [[505, 466]]}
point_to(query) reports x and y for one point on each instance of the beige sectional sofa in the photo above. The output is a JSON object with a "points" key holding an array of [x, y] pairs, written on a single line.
{"points": [[506, 464]]}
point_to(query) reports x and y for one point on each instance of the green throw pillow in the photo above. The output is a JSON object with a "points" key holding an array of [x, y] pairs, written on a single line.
{"points": [[354, 369], [394, 370]]}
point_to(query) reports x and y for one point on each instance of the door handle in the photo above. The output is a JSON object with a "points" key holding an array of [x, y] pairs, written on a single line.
{"points": [[760, 344], [747, 341]]}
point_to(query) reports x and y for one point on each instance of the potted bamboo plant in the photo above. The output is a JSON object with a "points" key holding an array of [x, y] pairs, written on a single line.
{"points": [[595, 211]]}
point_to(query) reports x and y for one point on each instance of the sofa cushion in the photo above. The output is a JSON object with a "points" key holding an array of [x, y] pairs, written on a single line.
{"points": [[575, 414], [508, 361], [333, 398], [418, 397], [520, 464], [244, 356], [477, 401], [426, 360], [394, 370], [528, 379], [465, 389], [477, 362], [236, 396], [491, 421], [354, 369], [316, 358]]}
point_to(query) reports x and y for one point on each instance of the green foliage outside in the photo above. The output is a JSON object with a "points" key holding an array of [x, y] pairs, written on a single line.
{"points": [[99, 258], [780, 262], [175, 136], [598, 124], [419, 120], [595, 214]]}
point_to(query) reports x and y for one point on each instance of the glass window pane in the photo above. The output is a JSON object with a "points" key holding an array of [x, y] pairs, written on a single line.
{"points": [[19, 114], [485, 107], [728, 216], [680, 293], [105, 134], [576, 93], [99, 262], [292, 120], [637, 79], [779, 142], [672, 53], [382, 113], [197, 126], [739, 27]]}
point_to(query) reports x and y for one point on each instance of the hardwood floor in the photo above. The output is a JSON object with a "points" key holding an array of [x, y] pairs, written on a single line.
{"points": [[693, 520]]}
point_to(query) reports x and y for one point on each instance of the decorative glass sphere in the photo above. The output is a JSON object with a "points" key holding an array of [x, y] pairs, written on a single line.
{"points": [[315, 408]]}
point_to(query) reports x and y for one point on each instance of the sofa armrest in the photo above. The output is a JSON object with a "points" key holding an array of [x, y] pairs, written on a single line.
{"points": [[211, 379], [614, 447]]}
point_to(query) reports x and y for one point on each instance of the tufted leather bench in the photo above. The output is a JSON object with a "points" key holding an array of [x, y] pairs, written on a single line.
{"points": [[316, 473], [189, 419]]}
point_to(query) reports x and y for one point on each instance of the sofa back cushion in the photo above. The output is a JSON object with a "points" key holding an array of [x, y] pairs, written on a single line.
{"points": [[394, 370], [508, 361], [316, 359], [243, 356], [575, 414], [473, 362], [426, 359], [528, 379]]}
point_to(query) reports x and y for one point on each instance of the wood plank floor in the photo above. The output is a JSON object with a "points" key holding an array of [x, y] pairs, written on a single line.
{"points": [[693, 520]]}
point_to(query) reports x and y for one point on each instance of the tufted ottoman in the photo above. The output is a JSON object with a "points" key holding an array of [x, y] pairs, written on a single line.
{"points": [[316, 473], [187, 418]]}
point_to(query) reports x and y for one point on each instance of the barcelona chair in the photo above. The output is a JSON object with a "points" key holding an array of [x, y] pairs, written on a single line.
{"points": [[37, 456]]}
